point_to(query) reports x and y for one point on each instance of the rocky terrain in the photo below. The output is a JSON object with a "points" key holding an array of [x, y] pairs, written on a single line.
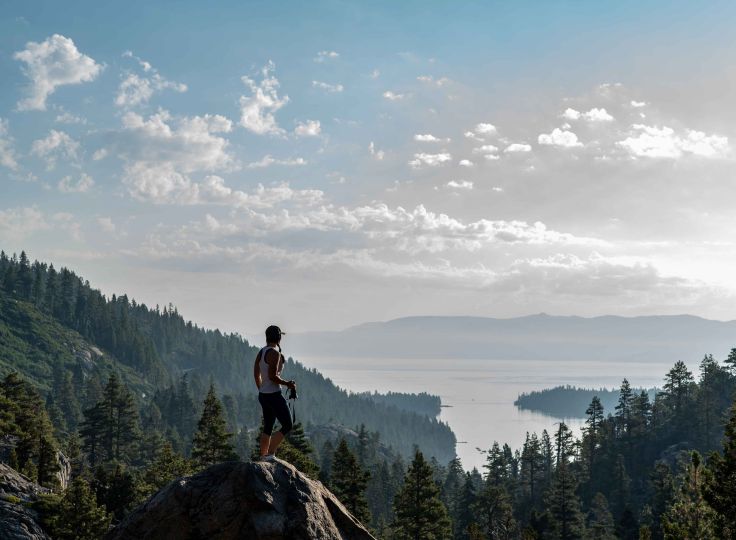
{"points": [[235, 500], [17, 521]]}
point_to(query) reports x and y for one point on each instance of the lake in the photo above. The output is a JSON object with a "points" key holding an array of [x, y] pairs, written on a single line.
{"points": [[480, 394]]}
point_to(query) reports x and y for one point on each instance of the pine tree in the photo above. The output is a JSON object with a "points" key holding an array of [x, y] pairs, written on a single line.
{"points": [[77, 515], [592, 439], [493, 511], [419, 512], [348, 482], [168, 466], [719, 488], [690, 516], [212, 442], [564, 505], [464, 513], [600, 520]]}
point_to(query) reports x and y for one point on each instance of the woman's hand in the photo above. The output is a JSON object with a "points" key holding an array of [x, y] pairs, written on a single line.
{"points": [[291, 384]]}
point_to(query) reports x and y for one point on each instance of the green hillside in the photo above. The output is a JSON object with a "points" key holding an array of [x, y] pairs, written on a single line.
{"points": [[53, 319]]}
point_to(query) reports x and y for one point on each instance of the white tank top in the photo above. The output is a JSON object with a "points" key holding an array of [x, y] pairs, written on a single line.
{"points": [[267, 385]]}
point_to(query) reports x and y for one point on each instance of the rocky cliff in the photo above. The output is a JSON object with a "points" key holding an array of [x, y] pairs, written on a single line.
{"points": [[256, 500], [17, 521]]}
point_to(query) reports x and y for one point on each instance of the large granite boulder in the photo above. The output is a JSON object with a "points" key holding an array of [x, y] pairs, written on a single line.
{"points": [[257, 500], [17, 520]]}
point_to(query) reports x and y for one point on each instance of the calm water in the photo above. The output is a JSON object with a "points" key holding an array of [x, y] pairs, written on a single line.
{"points": [[481, 393]]}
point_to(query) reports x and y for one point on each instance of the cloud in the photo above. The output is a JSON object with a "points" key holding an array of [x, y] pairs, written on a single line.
{"points": [[268, 160], [460, 184], [257, 110], [327, 87], [466, 163], [486, 149], [638, 104], [428, 137], [656, 142], [56, 144], [107, 225], [323, 56], [571, 114], [516, 148], [392, 96], [50, 64], [597, 115], [18, 223], [160, 152], [375, 74], [82, 185], [69, 118], [593, 115], [136, 89], [7, 147], [428, 79], [559, 137], [485, 129], [377, 154], [430, 160], [310, 128]]}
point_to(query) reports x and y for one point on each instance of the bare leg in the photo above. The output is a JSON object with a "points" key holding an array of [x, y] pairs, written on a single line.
{"points": [[276, 439], [265, 442]]}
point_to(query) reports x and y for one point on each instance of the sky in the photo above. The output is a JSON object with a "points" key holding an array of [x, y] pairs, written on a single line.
{"points": [[318, 165]]}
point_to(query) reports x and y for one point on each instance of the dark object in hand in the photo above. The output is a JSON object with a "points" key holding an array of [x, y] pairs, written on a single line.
{"points": [[292, 393]]}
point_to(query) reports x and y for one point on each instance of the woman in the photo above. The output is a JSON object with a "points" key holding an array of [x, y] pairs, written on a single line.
{"points": [[267, 373]]}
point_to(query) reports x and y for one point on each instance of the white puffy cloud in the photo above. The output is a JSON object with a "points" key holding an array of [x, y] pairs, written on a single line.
{"points": [[327, 87], [377, 154], [257, 110], [310, 128], [466, 163], [638, 104], [268, 160], [571, 114], [160, 152], [593, 115], [515, 148], [323, 56], [136, 89], [486, 149], [56, 144], [430, 160], [597, 115], [428, 137], [460, 184], [559, 137], [81, 185], [656, 142], [18, 223], [7, 147], [485, 129], [393, 96], [50, 64]]}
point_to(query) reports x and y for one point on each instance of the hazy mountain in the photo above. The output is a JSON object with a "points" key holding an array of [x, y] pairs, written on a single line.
{"points": [[628, 339]]}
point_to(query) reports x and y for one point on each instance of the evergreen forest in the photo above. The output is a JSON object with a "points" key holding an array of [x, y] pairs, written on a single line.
{"points": [[105, 401]]}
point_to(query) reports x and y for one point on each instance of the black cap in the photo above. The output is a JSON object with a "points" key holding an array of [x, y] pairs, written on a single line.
{"points": [[273, 334]]}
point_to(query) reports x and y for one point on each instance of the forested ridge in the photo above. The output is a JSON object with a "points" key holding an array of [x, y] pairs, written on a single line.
{"points": [[648, 467], [570, 401]]}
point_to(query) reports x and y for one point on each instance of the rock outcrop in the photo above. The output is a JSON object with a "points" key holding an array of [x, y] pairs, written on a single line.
{"points": [[256, 500], [17, 521]]}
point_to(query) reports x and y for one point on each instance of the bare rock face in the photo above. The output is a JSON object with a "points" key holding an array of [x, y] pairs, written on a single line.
{"points": [[257, 500], [17, 521]]}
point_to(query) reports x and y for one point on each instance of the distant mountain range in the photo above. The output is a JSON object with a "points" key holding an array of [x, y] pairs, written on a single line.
{"points": [[535, 337]]}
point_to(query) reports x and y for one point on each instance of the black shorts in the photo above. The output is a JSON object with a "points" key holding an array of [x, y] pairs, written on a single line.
{"points": [[274, 406]]}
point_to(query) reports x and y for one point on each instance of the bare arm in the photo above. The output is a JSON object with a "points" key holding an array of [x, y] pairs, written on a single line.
{"points": [[273, 359], [257, 372]]}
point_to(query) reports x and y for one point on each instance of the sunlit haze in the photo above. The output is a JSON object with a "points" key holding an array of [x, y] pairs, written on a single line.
{"points": [[324, 164]]}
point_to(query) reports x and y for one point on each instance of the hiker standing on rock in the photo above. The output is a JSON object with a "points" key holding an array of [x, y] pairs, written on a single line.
{"points": [[267, 374]]}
